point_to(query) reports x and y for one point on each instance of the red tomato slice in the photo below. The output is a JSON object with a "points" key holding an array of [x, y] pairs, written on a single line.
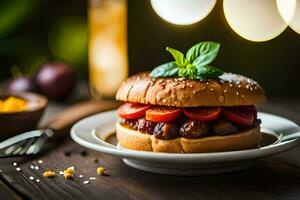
{"points": [[203, 113], [162, 114], [132, 110], [239, 115]]}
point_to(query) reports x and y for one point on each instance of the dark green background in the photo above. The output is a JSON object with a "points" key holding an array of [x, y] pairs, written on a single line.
{"points": [[275, 63]]}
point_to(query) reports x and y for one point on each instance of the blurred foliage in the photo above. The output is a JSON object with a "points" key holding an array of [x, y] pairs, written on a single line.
{"points": [[68, 39], [13, 13], [33, 32]]}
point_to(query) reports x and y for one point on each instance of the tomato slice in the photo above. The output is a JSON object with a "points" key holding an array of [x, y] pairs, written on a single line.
{"points": [[240, 115], [132, 110], [203, 113], [162, 114]]}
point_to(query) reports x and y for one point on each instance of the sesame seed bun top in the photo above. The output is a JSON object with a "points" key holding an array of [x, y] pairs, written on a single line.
{"points": [[229, 90]]}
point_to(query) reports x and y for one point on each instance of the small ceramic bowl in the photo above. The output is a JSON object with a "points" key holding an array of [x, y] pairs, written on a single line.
{"points": [[18, 122]]}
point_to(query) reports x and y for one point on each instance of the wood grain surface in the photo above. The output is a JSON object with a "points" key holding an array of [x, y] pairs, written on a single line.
{"points": [[276, 177]]}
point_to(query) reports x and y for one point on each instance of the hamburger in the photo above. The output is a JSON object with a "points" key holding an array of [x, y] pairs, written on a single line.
{"points": [[197, 110]]}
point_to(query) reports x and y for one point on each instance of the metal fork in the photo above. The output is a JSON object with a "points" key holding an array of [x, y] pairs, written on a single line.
{"points": [[32, 142], [28, 143]]}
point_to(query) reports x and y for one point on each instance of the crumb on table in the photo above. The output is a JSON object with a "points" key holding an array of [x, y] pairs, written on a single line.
{"points": [[101, 171], [68, 173], [49, 174]]}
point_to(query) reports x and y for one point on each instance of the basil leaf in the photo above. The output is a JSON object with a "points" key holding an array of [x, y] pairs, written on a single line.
{"points": [[203, 48], [165, 70], [205, 59], [208, 72], [178, 56], [194, 65], [189, 71]]}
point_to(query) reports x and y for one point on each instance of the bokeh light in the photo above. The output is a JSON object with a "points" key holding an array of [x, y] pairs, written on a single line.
{"points": [[254, 20], [183, 12], [286, 9], [290, 12]]}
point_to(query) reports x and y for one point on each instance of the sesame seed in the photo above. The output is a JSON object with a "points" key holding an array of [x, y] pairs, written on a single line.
{"points": [[207, 83], [40, 161], [31, 177], [255, 88], [243, 96], [92, 178], [239, 86], [36, 167], [225, 91], [15, 164], [191, 86], [230, 85], [251, 88], [247, 86], [80, 176], [237, 93], [61, 172], [32, 166], [0, 171], [18, 169], [86, 182], [211, 89], [37, 180]]}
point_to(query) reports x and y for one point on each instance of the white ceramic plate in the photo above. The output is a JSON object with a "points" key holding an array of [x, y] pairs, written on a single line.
{"points": [[92, 132]]}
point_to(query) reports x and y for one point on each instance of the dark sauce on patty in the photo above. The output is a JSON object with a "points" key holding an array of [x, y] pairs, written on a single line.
{"points": [[186, 128]]}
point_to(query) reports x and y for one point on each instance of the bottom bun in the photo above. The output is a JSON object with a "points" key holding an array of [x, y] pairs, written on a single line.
{"points": [[136, 140]]}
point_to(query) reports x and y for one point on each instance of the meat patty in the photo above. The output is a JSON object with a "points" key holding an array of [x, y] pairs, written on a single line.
{"points": [[194, 129], [146, 126], [223, 127], [166, 130], [130, 123], [185, 128]]}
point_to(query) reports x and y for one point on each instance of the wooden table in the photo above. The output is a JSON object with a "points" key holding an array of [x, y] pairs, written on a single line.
{"points": [[276, 177]]}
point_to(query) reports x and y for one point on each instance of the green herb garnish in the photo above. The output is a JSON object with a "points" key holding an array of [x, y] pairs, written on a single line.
{"points": [[193, 65]]}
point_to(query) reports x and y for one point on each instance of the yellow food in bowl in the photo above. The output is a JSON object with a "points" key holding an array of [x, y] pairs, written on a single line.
{"points": [[13, 104]]}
